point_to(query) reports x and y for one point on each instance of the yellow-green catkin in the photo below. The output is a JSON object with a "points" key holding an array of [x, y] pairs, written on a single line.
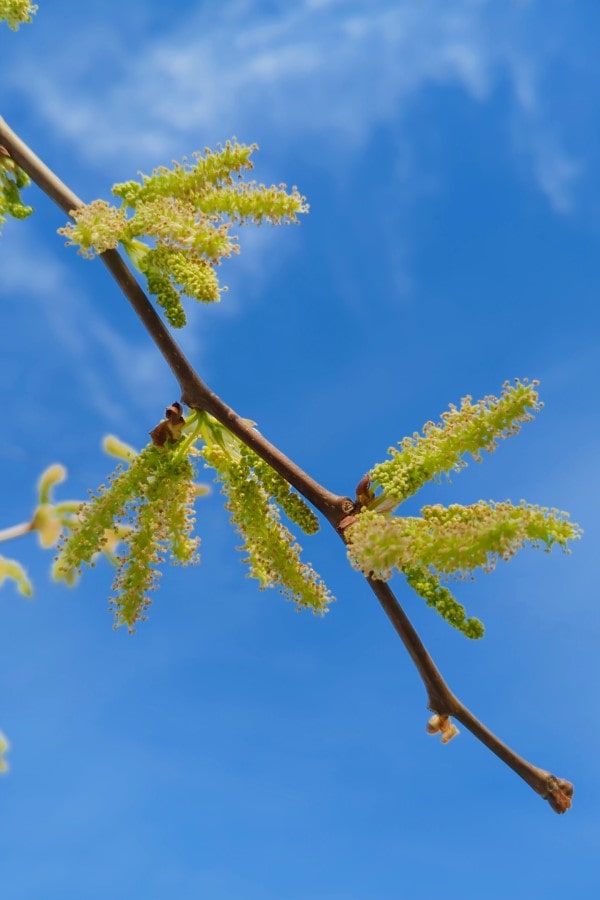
{"points": [[443, 601], [12, 181], [17, 12], [463, 430], [175, 224], [295, 508], [454, 541], [272, 552], [149, 509]]}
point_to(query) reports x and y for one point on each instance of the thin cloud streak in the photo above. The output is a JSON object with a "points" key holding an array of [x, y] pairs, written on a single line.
{"points": [[59, 313], [326, 73]]}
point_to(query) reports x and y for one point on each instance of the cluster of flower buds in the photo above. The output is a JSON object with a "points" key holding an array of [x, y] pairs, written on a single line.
{"points": [[456, 540], [175, 224]]}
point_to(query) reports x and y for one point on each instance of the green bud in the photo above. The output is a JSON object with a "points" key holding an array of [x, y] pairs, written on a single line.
{"points": [[53, 475], [47, 524], [4, 747], [10, 568], [114, 446]]}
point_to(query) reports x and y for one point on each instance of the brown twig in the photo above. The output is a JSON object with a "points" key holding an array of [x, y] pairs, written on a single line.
{"points": [[557, 791], [196, 394]]}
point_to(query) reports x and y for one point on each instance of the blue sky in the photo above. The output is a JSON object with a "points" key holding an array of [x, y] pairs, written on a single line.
{"points": [[233, 748]]}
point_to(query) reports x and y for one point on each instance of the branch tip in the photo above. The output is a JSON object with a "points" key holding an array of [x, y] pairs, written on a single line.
{"points": [[559, 794]]}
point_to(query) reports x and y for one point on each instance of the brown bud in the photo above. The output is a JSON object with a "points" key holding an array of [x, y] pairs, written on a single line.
{"points": [[170, 428], [161, 434], [363, 491], [173, 413], [444, 726]]}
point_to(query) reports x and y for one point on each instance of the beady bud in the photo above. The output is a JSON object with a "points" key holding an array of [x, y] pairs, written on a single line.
{"points": [[444, 726], [170, 428]]}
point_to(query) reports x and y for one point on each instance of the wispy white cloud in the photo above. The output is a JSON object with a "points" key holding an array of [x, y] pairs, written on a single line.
{"points": [[321, 72], [320, 75], [556, 172], [326, 69]]}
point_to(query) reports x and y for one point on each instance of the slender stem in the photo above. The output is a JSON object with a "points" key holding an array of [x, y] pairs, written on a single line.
{"points": [[439, 696], [441, 700], [7, 534], [196, 394]]}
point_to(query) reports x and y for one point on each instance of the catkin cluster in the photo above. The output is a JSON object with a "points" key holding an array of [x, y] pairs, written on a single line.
{"points": [[254, 491], [148, 509], [450, 541], [463, 430], [12, 181], [176, 223], [16, 12]]}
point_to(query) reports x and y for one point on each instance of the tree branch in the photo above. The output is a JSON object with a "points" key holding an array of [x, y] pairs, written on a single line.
{"points": [[197, 395], [557, 791]]}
